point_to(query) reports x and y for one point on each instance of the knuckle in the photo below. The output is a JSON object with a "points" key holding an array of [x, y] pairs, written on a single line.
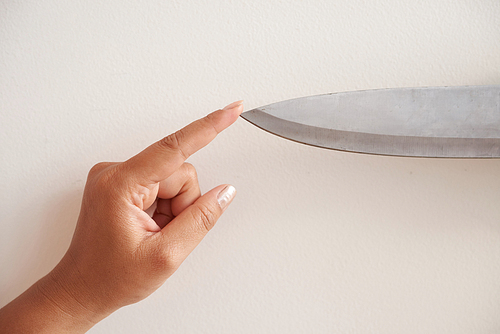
{"points": [[103, 176], [190, 171], [167, 258], [105, 181], [209, 122], [170, 142], [205, 217], [173, 143], [162, 261], [152, 255], [97, 168]]}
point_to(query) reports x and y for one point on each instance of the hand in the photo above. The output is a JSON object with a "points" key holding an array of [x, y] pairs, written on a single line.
{"points": [[119, 254]]}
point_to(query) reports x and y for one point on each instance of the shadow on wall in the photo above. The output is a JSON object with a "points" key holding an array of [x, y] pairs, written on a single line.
{"points": [[43, 248]]}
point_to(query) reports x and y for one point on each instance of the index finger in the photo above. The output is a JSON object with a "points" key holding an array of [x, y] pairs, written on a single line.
{"points": [[161, 159]]}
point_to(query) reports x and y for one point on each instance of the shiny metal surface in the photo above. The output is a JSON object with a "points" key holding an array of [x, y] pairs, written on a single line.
{"points": [[452, 122]]}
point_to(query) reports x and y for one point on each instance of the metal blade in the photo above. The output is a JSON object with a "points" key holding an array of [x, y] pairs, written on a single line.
{"points": [[452, 122]]}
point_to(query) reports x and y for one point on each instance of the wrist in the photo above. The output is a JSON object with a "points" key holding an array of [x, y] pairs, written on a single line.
{"points": [[48, 306], [70, 296]]}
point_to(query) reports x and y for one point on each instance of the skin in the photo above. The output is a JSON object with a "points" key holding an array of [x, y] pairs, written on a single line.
{"points": [[119, 255]]}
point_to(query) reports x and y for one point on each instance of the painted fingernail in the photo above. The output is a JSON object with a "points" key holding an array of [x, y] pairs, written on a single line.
{"points": [[233, 105], [225, 196]]}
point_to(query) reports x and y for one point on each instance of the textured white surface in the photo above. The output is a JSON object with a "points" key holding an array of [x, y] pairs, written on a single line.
{"points": [[316, 241]]}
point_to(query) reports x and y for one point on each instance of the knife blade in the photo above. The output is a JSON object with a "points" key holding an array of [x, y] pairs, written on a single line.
{"points": [[449, 122]]}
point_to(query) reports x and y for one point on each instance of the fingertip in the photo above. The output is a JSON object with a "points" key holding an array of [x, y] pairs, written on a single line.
{"points": [[234, 105], [234, 109], [227, 116]]}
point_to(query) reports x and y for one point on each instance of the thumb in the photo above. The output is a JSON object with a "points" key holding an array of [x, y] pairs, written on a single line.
{"points": [[188, 229]]}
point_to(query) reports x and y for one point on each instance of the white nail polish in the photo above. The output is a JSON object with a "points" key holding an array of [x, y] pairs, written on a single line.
{"points": [[225, 196]]}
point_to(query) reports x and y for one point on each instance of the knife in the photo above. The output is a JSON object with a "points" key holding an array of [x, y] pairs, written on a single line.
{"points": [[449, 122]]}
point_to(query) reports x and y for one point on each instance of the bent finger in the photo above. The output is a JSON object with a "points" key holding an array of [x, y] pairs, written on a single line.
{"points": [[188, 229], [182, 187], [163, 213], [175, 194]]}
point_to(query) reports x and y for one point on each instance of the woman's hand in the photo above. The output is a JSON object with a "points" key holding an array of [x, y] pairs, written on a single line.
{"points": [[119, 254]]}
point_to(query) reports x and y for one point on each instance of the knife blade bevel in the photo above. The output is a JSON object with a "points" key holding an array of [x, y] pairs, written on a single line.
{"points": [[487, 145]]}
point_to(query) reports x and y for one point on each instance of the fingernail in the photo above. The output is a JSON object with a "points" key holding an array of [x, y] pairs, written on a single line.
{"points": [[225, 196], [233, 105]]}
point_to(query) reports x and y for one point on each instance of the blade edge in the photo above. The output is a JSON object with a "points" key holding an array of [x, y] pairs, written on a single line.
{"points": [[367, 143]]}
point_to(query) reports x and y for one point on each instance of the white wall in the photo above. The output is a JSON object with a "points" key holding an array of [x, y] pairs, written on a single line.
{"points": [[316, 241]]}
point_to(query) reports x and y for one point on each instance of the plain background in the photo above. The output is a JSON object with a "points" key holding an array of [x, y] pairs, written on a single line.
{"points": [[316, 241]]}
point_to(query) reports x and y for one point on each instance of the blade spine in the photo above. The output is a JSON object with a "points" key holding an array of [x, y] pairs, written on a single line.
{"points": [[375, 90]]}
